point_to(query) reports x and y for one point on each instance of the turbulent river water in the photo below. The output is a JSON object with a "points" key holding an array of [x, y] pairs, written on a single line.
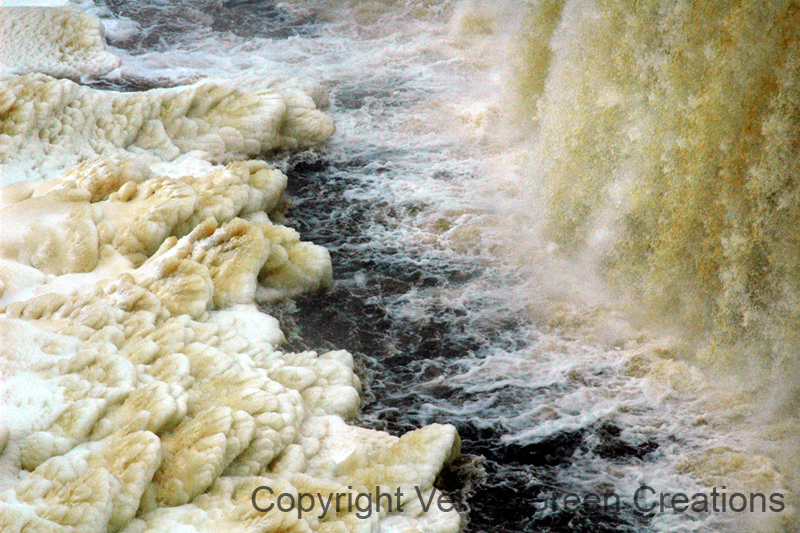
{"points": [[564, 227]]}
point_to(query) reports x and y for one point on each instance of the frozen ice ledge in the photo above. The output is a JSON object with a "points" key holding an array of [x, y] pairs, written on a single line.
{"points": [[142, 389]]}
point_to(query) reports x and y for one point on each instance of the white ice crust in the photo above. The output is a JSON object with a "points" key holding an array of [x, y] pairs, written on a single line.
{"points": [[141, 389]]}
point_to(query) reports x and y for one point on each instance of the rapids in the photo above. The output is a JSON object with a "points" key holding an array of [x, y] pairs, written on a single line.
{"points": [[565, 228]]}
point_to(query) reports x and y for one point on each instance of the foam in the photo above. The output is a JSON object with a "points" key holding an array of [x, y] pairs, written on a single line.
{"points": [[401, 96], [71, 123], [165, 389], [59, 41], [130, 263]]}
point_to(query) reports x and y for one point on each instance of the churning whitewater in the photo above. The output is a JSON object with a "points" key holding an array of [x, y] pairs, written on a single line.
{"points": [[398, 266]]}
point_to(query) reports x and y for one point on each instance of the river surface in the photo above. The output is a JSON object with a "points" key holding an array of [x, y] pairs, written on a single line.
{"points": [[459, 307]]}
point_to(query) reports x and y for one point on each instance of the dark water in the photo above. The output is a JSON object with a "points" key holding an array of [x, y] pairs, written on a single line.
{"points": [[164, 25], [422, 319], [408, 363]]}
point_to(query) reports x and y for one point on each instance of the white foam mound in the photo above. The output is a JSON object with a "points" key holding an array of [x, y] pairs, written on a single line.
{"points": [[142, 389], [155, 394], [107, 217], [59, 41], [47, 125]]}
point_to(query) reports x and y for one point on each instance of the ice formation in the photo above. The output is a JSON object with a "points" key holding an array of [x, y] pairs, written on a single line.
{"points": [[142, 389]]}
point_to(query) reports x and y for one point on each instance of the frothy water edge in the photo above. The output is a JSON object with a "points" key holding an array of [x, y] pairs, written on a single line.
{"points": [[555, 395]]}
